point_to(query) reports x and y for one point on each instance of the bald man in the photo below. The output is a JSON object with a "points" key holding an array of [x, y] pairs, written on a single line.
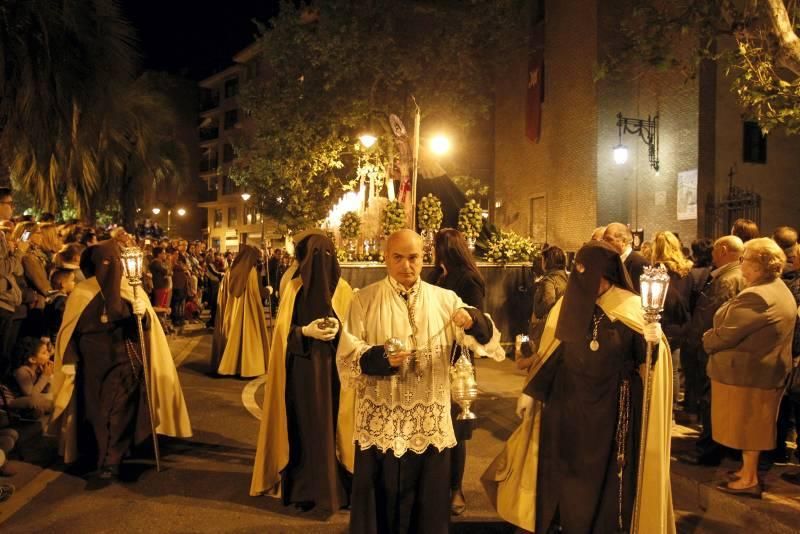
{"points": [[403, 430], [621, 238], [724, 283]]}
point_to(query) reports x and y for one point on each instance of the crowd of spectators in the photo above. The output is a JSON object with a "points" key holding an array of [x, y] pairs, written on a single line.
{"points": [[731, 320], [40, 265]]}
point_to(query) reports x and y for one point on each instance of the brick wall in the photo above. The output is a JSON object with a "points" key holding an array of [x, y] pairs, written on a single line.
{"points": [[562, 166], [634, 193], [775, 181]]}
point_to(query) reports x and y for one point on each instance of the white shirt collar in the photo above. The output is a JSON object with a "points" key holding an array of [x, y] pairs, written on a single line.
{"points": [[626, 253]]}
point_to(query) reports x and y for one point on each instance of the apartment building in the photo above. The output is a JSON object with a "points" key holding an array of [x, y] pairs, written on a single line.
{"points": [[232, 220]]}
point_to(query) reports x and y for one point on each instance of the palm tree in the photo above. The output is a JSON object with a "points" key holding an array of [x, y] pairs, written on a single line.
{"points": [[139, 147], [57, 61]]}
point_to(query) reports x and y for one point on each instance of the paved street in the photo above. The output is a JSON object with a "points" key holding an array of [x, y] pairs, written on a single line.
{"points": [[204, 486]]}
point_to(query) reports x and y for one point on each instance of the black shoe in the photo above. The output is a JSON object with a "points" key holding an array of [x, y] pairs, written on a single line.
{"points": [[6, 491], [304, 506], [709, 459], [753, 492], [457, 503], [792, 478], [109, 472], [779, 457]]}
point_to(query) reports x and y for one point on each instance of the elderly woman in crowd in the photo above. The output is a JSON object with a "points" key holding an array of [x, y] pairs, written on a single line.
{"points": [[750, 356]]}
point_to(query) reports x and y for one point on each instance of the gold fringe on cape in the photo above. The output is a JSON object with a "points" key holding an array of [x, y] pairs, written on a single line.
{"points": [[171, 416], [510, 480], [272, 453]]}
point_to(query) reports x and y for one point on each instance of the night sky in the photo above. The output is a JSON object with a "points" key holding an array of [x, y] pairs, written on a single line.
{"points": [[194, 38]]}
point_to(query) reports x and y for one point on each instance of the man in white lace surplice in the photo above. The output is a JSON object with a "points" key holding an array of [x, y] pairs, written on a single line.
{"points": [[402, 425]]}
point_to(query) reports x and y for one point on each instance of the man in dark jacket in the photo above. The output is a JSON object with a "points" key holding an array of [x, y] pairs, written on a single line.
{"points": [[620, 237], [161, 278], [789, 413], [724, 283]]}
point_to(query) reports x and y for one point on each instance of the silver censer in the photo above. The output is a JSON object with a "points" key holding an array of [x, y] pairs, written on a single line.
{"points": [[463, 387]]}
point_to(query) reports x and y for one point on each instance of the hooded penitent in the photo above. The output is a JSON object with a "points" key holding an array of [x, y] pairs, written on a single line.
{"points": [[246, 259], [595, 260], [302, 393], [320, 272], [103, 262], [241, 340]]}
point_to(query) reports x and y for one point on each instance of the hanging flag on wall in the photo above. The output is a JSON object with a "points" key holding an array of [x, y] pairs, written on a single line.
{"points": [[535, 97]]}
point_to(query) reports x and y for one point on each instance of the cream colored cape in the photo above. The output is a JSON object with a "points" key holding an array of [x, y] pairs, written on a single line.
{"points": [[510, 480], [171, 416], [272, 452], [244, 338]]}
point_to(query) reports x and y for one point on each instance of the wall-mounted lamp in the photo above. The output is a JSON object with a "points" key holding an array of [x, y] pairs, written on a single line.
{"points": [[646, 129]]}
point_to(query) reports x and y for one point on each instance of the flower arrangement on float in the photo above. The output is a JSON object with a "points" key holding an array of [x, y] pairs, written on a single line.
{"points": [[429, 219], [510, 247], [470, 222], [394, 218], [349, 228]]}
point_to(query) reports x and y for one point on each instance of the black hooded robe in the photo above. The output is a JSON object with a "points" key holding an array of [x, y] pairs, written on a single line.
{"points": [[584, 425], [112, 403], [313, 474]]}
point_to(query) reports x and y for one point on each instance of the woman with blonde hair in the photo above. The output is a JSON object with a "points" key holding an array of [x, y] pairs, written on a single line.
{"points": [[51, 241], [750, 356], [667, 251]]}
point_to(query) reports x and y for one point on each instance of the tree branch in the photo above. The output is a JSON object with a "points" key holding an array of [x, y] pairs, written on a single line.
{"points": [[788, 43]]}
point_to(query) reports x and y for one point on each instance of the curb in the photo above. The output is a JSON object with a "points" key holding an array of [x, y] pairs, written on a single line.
{"points": [[741, 513]]}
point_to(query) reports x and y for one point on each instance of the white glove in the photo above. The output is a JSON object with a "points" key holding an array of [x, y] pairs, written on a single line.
{"points": [[652, 332], [524, 405], [313, 330], [139, 307], [68, 369]]}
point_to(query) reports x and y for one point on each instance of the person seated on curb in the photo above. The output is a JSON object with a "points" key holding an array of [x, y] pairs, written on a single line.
{"points": [[32, 375]]}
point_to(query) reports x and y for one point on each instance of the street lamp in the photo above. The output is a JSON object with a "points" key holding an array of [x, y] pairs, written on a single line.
{"points": [[646, 129], [181, 212], [245, 196], [156, 211], [367, 140], [440, 144]]}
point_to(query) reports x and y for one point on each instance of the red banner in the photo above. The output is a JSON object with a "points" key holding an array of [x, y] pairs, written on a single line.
{"points": [[535, 97]]}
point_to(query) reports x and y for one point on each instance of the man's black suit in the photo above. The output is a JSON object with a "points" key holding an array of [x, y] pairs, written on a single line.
{"points": [[635, 264]]}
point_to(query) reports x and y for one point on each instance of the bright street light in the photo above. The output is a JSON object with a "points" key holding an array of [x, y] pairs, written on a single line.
{"points": [[245, 196], [620, 154], [181, 212], [156, 211], [440, 144], [367, 140]]}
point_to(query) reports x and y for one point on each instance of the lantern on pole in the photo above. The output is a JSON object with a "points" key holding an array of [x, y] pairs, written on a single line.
{"points": [[132, 263], [654, 284]]}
